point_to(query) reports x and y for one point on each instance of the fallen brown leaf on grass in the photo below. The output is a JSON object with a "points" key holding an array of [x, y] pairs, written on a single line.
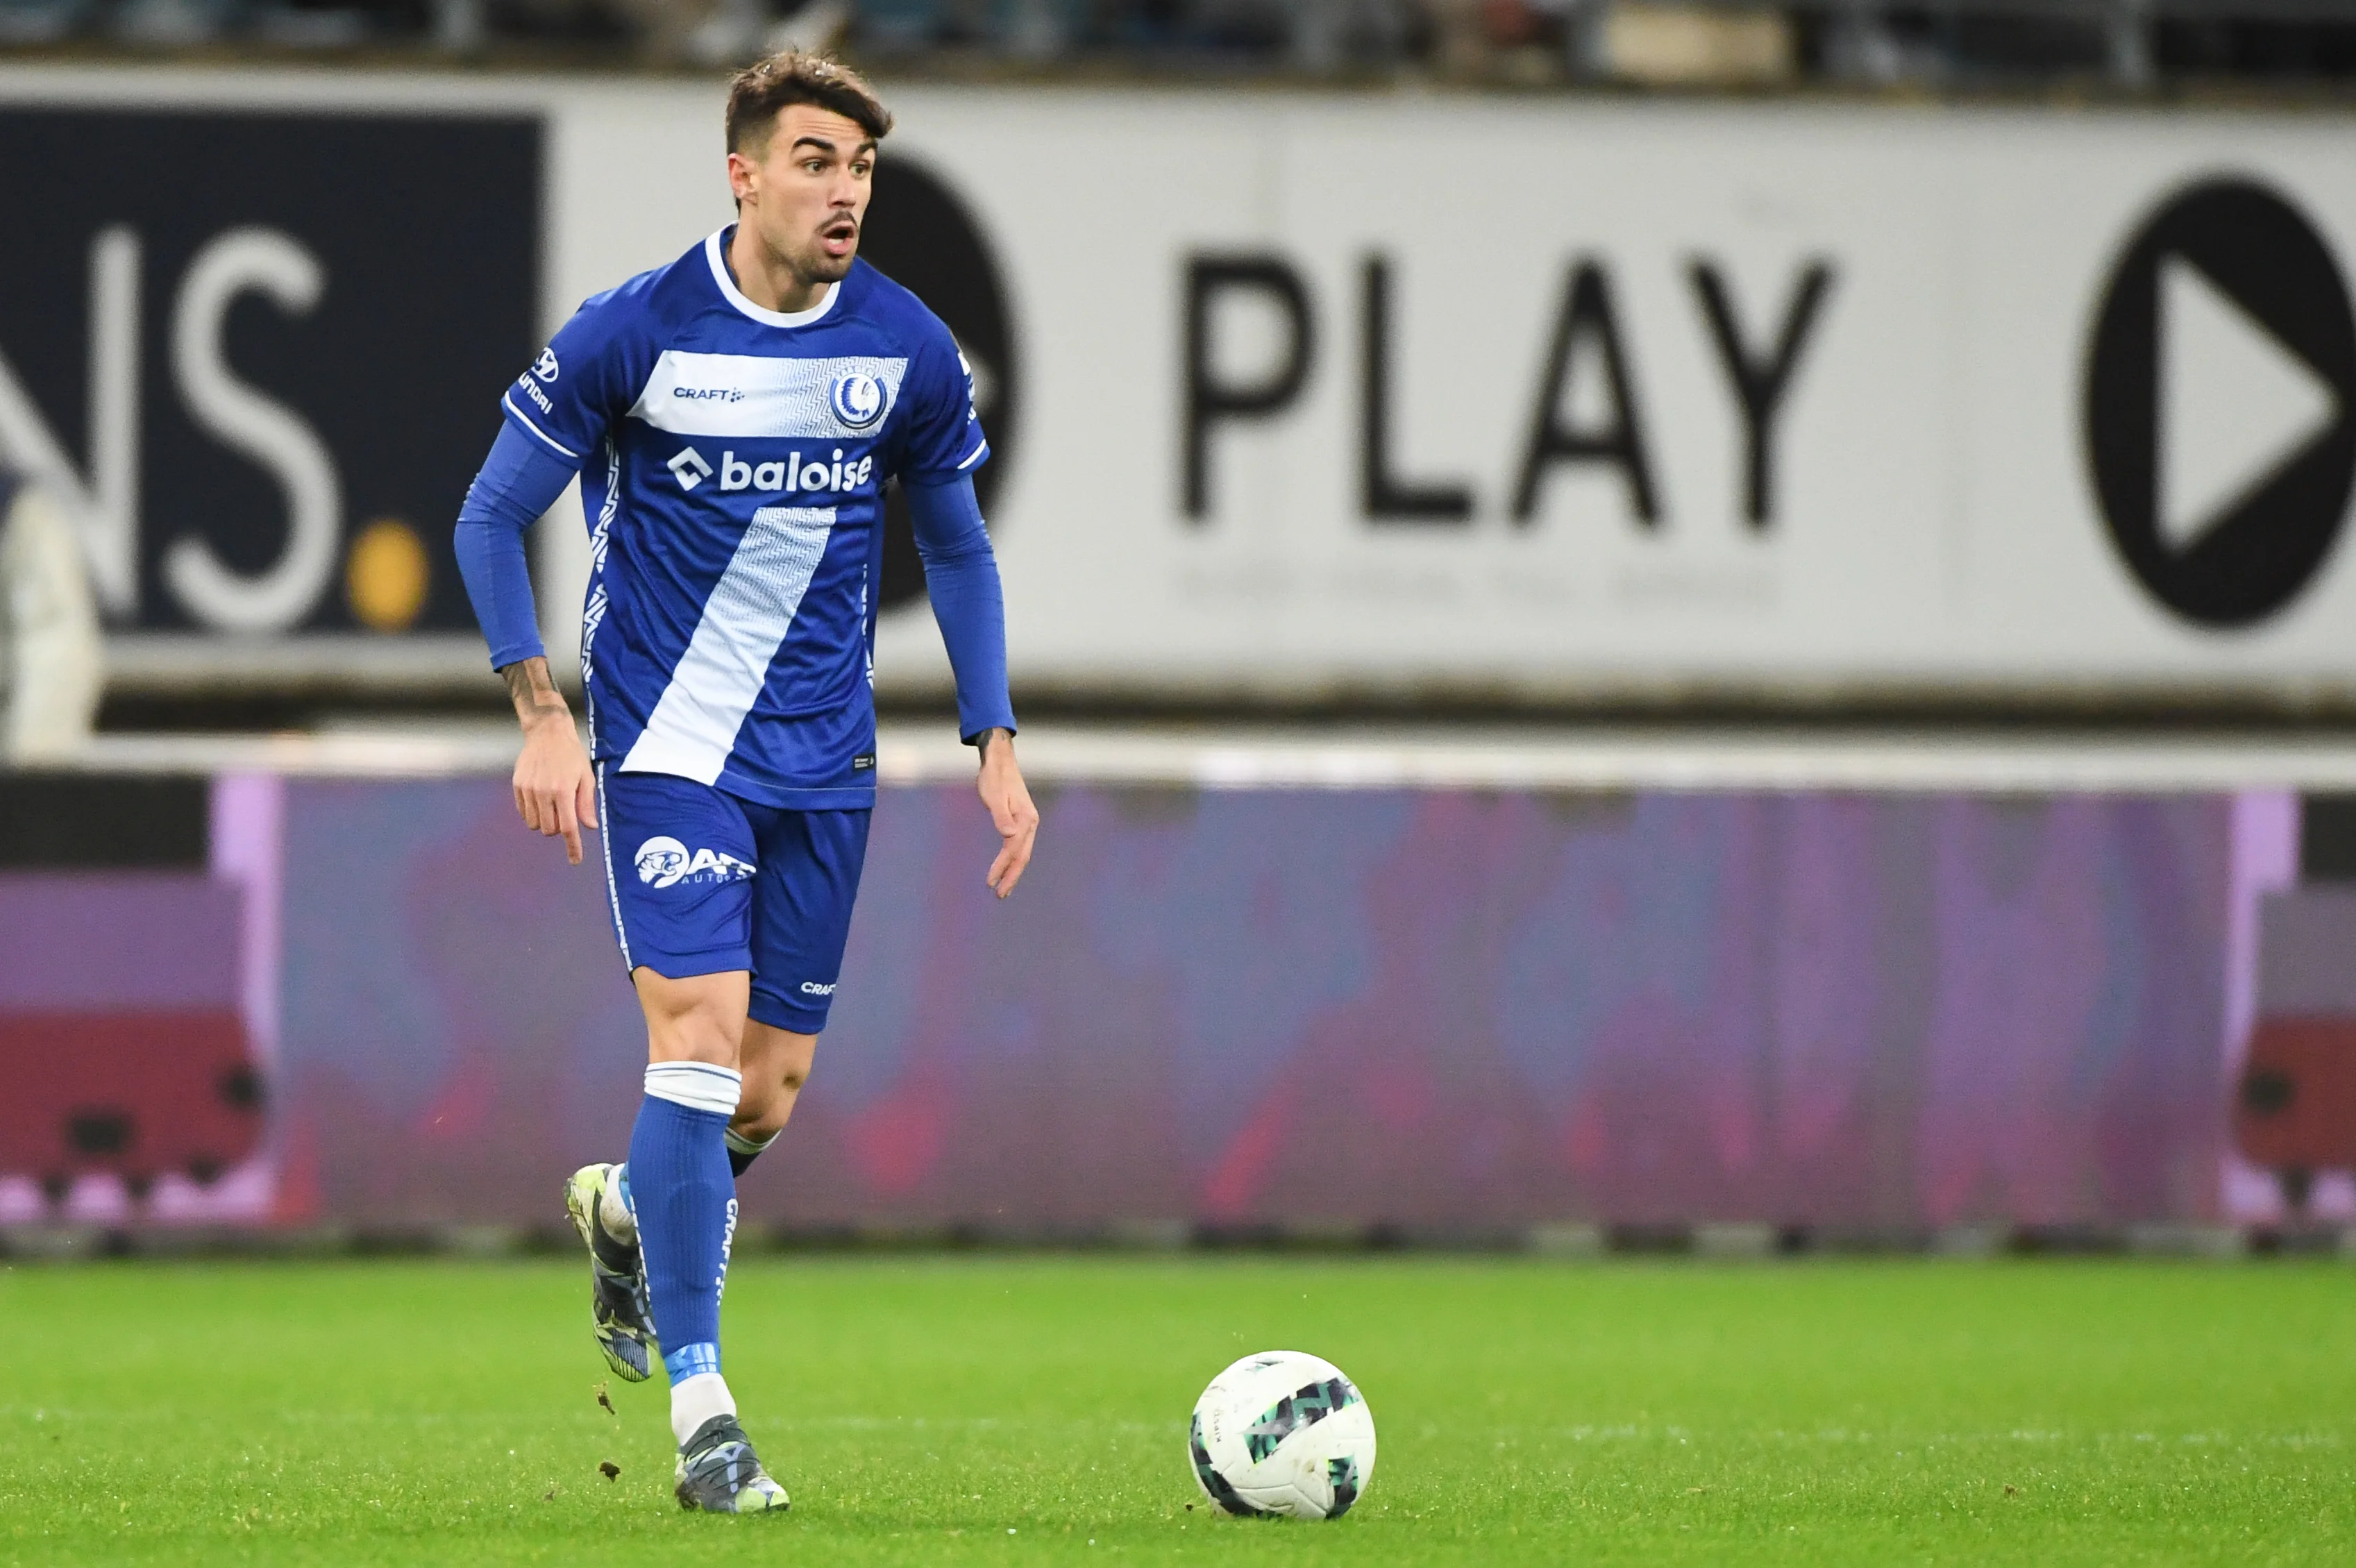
{"points": [[608, 1468]]}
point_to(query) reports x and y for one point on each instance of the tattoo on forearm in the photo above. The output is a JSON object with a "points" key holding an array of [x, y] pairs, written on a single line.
{"points": [[531, 690]]}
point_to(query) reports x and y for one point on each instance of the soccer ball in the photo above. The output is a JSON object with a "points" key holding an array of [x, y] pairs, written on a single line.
{"points": [[1283, 1433]]}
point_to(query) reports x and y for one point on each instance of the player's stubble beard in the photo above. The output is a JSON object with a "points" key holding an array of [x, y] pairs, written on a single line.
{"points": [[817, 267], [809, 261]]}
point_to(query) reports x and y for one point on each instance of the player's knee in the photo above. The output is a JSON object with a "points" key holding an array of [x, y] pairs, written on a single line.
{"points": [[764, 1121], [767, 1100]]}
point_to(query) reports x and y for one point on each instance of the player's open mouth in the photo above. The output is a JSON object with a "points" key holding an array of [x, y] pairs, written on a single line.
{"points": [[839, 238]]}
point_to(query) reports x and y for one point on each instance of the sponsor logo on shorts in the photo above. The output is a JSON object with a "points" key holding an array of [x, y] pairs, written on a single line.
{"points": [[813, 988], [665, 862], [862, 763]]}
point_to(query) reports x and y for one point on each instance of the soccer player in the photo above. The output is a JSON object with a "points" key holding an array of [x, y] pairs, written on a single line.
{"points": [[733, 418]]}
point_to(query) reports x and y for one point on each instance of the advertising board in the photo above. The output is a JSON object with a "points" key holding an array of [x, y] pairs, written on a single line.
{"points": [[260, 384], [1554, 400], [1464, 1012], [1302, 398]]}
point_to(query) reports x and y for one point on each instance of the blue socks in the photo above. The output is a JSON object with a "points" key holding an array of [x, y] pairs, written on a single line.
{"points": [[685, 1197]]}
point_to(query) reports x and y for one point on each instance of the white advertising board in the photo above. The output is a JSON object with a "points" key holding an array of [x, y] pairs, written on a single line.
{"points": [[1738, 399], [1299, 397]]}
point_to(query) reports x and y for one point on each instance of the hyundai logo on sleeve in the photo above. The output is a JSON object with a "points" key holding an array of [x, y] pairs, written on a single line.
{"points": [[545, 366]]}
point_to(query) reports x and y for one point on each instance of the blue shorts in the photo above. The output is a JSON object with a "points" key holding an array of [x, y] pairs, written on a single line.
{"points": [[703, 883]]}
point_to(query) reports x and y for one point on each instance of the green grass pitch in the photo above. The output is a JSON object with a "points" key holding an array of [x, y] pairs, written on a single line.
{"points": [[1016, 1408]]}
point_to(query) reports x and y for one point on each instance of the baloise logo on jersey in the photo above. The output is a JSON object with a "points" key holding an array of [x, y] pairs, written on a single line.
{"points": [[2220, 381], [826, 475]]}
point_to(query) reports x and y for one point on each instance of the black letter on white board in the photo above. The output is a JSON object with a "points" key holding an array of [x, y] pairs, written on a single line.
{"points": [[1760, 384], [1385, 498], [1209, 399], [1587, 317]]}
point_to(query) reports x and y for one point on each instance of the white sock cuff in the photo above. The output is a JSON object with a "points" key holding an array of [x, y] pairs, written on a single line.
{"points": [[696, 1400], [698, 1086], [744, 1145]]}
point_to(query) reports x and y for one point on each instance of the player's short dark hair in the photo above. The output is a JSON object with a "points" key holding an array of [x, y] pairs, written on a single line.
{"points": [[765, 87]]}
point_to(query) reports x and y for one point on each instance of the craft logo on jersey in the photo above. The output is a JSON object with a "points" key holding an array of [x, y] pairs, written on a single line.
{"points": [[665, 862], [857, 399], [545, 366]]}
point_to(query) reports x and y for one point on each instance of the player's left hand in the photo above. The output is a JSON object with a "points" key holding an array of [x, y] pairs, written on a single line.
{"points": [[1011, 811]]}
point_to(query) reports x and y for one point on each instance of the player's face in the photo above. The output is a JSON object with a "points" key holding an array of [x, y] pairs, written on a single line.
{"points": [[807, 194]]}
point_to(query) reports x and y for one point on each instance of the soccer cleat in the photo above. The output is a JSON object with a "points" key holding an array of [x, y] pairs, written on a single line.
{"points": [[619, 1311], [719, 1472]]}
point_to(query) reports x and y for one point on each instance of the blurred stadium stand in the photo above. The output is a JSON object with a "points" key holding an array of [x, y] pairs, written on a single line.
{"points": [[2131, 45]]}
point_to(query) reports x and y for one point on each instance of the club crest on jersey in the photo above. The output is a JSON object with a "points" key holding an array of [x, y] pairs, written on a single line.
{"points": [[545, 366], [857, 399], [665, 862]]}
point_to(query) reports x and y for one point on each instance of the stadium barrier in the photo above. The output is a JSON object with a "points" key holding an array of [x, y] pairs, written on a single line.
{"points": [[1276, 994]]}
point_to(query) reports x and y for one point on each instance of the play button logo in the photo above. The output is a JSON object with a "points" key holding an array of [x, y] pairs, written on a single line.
{"points": [[2235, 405], [2220, 403]]}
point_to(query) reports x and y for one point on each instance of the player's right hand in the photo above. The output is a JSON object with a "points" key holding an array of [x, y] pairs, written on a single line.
{"points": [[555, 789]]}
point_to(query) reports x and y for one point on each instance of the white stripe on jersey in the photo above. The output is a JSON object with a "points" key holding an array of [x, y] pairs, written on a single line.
{"points": [[507, 403], [718, 678], [748, 395]]}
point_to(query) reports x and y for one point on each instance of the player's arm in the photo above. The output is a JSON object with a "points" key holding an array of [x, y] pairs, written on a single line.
{"points": [[555, 790], [961, 580]]}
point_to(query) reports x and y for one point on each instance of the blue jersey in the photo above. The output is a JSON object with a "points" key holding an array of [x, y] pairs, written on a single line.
{"points": [[732, 461]]}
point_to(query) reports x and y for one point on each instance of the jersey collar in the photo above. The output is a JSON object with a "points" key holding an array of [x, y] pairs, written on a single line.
{"points": [[715, 252]]}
